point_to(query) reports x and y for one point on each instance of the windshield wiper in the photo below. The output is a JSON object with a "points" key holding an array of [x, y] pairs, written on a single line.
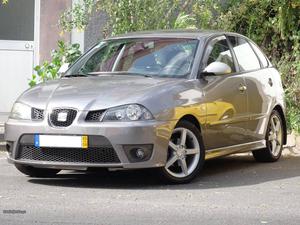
{"points": [[76, 75], [119, 73]]}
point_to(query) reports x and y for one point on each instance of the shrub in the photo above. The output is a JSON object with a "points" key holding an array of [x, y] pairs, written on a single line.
{"points": [[275, 26], [50, 70]]}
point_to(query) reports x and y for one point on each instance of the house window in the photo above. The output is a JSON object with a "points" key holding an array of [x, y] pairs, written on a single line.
{"points": [[17, 20]]}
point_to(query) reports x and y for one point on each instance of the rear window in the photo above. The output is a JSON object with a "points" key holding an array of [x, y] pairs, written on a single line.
{"points": [[245, 55]]}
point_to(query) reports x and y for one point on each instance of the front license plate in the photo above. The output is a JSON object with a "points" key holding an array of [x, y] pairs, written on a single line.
{"points": [[60, 141]]}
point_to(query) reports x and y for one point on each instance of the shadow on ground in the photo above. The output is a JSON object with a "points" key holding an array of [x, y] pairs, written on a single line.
{"points": [[232, 171]]}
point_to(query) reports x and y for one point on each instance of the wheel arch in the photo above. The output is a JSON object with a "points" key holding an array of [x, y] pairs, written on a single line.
{"points": [[279, 109], [192, 119]]}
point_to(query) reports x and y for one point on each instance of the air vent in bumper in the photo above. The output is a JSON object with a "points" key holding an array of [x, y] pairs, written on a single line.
{"points": [[37, 114], [94, 116]]}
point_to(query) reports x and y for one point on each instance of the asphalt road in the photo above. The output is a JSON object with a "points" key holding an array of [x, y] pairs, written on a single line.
{"points": [[232, 190]]}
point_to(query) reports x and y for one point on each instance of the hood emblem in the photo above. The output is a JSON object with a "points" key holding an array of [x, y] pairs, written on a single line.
{"points": [[62, 116]]}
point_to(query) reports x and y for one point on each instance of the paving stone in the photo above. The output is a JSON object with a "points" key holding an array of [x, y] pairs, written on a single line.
{"points": [[291, 140]]}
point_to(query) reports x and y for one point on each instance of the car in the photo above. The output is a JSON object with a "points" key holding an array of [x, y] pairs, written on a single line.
{"points": [[166, 100]]}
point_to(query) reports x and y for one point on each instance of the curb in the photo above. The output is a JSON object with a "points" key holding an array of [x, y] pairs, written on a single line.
{"points": [[2, 142], [1, 134]]}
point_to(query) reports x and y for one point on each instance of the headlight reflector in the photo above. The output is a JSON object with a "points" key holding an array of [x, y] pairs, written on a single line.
{"points": [[133, 112], [20, 111]]}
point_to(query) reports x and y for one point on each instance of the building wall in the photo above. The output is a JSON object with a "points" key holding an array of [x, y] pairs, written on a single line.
{"points": [[50, 33]]}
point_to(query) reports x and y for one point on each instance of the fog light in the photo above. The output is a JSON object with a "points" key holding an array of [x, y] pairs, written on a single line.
{"points": [[140, 153]]}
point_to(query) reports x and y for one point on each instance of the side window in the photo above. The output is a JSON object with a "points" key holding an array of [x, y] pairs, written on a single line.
{"points": [[246, 57], [219, 51], [260, 55]]}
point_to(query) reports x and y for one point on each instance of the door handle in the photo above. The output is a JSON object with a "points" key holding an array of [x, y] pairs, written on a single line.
{"points": [[242, 88], [270, 82]]}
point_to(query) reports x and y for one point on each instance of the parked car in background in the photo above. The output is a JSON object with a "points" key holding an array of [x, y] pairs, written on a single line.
{"points": [[166, 100]]}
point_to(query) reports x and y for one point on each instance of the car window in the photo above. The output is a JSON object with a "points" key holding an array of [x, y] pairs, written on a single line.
{"points": [[260, 55], [219, 51], [170, 57], [246, 57]]}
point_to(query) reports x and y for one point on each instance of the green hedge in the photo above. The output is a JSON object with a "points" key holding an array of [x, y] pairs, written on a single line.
{"points": [[275, 26]]}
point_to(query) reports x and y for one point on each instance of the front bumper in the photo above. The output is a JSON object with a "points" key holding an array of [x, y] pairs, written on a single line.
{"points": [[119, 134]]}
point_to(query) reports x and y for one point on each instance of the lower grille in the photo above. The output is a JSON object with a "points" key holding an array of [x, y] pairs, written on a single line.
{"points": [[103, 154]]}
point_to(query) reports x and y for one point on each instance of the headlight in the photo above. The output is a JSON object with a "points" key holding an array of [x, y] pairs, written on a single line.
{"points": [[132, 112], [20, 111]]}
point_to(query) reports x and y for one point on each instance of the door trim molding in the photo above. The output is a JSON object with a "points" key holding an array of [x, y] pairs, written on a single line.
{"points": [[218, 152]]}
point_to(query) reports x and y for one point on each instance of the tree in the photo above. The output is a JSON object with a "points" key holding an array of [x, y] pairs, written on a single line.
{"points": [[130, 15], [273, 24]]}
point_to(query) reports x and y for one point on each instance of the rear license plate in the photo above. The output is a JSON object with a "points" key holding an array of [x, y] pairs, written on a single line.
{"points": [[60, 141]]}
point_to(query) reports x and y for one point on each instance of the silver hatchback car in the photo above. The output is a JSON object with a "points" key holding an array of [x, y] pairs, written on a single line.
{"points": [[165, 100]]}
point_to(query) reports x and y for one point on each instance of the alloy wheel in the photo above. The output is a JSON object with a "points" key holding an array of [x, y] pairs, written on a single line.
{"points": [[275, 135], [183, 153]]}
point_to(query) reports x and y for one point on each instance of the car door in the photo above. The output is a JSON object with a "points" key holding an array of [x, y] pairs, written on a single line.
{"points": [[225, 99], [254, 65]]}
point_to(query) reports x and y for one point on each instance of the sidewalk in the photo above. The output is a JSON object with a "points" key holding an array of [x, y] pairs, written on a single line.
{"points": [[292, 146]]}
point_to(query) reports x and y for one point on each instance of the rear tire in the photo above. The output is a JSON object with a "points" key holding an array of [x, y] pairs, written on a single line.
{"points": [[274, 140], [186, 154], [36, 172]]}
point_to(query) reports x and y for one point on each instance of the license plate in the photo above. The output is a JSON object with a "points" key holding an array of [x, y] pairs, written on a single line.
{"points": [[60, 141]]}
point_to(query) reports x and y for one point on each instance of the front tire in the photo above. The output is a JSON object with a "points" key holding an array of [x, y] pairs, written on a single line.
{"points": [[36, 172], [186, 154], [274, 140]]}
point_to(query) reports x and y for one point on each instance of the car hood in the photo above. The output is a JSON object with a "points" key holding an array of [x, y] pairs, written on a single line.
{"points": [[93, 93]]}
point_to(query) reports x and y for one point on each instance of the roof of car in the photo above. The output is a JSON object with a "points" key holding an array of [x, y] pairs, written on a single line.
{"points": [[187, 33]]}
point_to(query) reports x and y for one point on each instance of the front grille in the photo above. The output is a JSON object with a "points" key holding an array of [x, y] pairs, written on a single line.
{"points": [[56, 121], [103, 154], [37, 114], [94, 116]]}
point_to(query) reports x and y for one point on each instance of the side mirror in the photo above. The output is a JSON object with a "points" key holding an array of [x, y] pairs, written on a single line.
{"points": [[217, 68]]}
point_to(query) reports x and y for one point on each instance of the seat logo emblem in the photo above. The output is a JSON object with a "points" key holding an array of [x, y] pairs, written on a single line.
{"points": [[62, 117]]}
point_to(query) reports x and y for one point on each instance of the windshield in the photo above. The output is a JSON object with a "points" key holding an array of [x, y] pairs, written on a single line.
{"points": [[165, 57]]}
